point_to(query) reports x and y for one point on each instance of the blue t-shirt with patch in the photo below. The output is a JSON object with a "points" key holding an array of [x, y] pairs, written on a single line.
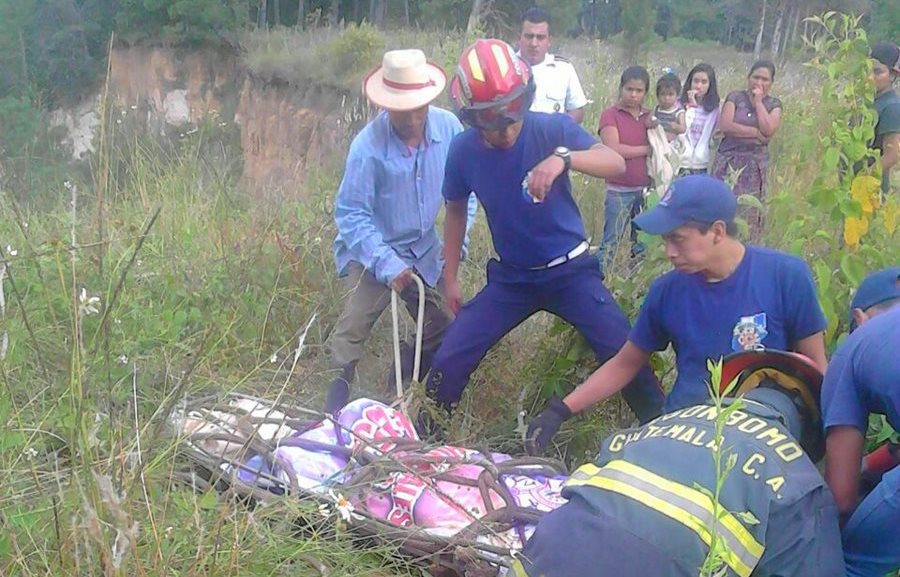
{"points": [[768, 301], [864, 375], [525, 234]]}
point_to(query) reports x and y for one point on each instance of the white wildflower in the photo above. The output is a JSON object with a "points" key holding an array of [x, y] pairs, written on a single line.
{"points": [[317, 241], [10, 251], [324, 510], [123, 360], [134, 107], [88, 305], [68, 184], [118, 121], [123, 112], [344, 507], [30, 453], [274, 358]]}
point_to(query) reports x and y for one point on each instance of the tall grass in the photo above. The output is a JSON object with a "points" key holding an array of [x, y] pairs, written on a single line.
{"points": [[200, 285]]}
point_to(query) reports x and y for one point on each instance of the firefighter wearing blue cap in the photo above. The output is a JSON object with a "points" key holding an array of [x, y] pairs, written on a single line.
{"points": [[864, 378], [645, 506], [722, 297]]}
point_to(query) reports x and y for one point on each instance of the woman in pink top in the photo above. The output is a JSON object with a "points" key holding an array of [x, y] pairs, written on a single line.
{"points": [[623, 127]]}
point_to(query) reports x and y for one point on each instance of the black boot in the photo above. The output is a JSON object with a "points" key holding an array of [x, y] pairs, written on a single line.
{"points": [[339, 389]]}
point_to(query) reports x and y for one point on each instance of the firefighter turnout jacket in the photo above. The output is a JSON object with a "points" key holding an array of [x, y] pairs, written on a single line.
{"points": [[647, 507]]}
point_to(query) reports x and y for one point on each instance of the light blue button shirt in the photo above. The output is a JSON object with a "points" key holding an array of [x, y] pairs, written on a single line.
{"points": [[389, 198]]}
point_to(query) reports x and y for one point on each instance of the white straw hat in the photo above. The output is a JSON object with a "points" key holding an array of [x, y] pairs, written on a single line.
{"points": [[404, 81]]}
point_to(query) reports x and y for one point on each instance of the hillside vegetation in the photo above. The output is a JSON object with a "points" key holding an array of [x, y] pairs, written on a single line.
{"points": [[150, 276]]}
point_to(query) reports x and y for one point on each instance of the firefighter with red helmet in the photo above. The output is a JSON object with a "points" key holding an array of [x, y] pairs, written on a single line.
{"points": [[646, 506], [517, 163]]}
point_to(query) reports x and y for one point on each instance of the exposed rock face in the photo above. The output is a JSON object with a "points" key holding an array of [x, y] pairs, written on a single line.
{"points": [[80, 126], [279, 138], [282, 131]]}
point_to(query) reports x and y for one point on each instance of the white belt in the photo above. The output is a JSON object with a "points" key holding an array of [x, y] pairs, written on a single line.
{"points": [[575, 252]]}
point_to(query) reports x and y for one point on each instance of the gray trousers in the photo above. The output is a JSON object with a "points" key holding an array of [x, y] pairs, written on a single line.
{"points": [[368, 299]]}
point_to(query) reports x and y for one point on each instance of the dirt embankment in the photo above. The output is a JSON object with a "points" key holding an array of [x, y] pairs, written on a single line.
{"points": [[283, 129]]}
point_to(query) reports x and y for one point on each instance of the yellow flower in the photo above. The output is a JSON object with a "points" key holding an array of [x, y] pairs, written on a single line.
{"points": [[854, 229], [866, 190]]}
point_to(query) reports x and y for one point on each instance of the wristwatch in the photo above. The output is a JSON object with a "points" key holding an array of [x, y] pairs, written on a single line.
{"points": [[565, 154]]}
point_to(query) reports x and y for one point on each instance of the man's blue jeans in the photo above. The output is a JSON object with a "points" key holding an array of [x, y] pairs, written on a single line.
{"points": [[618, 210], [872, 535]]}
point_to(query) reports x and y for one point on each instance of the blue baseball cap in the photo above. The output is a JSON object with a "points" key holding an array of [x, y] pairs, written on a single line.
{"points": [[876, 288], [694, 198]]}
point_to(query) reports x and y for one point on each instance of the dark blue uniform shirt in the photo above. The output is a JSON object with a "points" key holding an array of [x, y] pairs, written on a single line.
{"points": [[644, 507]]}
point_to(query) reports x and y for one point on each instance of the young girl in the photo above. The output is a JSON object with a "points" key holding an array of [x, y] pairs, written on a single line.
{"points": [[623, 127], [669, 112], [700, 98]]}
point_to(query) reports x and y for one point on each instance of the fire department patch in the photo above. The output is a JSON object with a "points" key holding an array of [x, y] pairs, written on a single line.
{"points": [[749, 332]]}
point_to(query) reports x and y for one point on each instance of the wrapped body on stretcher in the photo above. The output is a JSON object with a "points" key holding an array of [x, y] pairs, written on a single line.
{"points": [[370, 455]]}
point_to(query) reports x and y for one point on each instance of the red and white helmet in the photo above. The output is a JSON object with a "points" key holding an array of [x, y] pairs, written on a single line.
{"points": [[493, 87], [791, 373]]}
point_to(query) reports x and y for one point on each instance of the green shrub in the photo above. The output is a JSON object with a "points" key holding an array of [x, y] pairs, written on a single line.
{"points": [[182, 21], [21, 122], [351, 53]]}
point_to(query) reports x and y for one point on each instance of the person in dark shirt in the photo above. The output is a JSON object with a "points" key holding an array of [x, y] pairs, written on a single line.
{"points": [[885, 70], [749, 120], [517, 163], [864, 378], [645, 506], [722, 296]]}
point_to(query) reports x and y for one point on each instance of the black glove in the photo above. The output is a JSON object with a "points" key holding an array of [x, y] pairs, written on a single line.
{"points": [[542, 428]]}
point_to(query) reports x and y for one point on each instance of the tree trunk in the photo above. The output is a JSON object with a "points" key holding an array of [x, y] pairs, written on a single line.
{"points": [[276, 12], [776, 36], [376, 12], [262, 15], [786, 39], [406, 12], [757, 47], [478, 7], [24, 56], [301, 14], [334, 12], [805, 26], [795, 27]]}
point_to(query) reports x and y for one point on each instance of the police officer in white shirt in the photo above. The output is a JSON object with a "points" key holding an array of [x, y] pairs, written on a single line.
{"points": [[558, 88]]}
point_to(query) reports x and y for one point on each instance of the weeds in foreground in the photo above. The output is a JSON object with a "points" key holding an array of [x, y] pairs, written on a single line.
{"points": [[724, 459], [204, 297]]}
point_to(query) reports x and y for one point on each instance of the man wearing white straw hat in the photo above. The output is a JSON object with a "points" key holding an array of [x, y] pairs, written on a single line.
{"points": [[385, 212]]}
